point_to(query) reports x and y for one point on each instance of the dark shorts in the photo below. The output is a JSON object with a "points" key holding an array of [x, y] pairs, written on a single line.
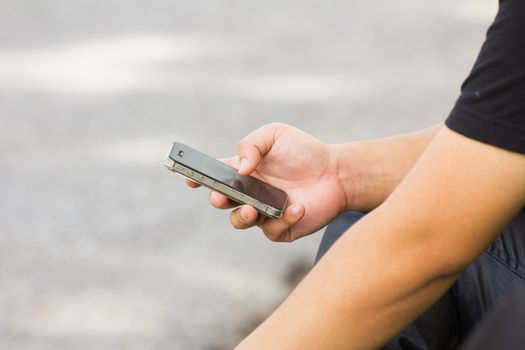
{"points": [[498, 273]]}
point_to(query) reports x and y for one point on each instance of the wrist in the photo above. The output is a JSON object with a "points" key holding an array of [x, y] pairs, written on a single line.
{"points": [[369, 171], [362, 174]]}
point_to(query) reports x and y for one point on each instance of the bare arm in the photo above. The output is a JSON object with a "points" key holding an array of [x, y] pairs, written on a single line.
{"points": [[351, 176], [399, 259], [371, 170]]}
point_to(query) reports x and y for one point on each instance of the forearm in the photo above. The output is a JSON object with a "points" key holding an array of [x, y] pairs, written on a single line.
{"points": [[365, 290], [394, 263], [369, 171]]}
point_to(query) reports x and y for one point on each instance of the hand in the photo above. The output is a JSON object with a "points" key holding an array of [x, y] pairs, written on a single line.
{"points": [[299, 164]]}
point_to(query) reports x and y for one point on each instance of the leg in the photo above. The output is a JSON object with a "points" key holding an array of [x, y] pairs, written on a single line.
{"points": [[500, 329], [336, 230], [497, 274]]}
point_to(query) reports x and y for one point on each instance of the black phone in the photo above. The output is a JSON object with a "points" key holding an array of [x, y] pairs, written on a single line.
{"points": [[220, 177]]}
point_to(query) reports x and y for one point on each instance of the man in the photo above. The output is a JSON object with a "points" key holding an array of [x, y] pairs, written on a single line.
{"points": [[443, 240]]}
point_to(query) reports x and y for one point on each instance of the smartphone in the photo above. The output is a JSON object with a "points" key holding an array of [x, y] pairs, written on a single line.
{"points": [[220, 177]]}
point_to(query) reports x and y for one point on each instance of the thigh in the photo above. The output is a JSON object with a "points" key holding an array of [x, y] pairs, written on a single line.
{"points": [[335, 230], [498, 273], [502, 328]]}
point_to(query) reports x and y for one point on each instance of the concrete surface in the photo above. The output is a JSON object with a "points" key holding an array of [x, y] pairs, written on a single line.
{"points": [[100, 246]]}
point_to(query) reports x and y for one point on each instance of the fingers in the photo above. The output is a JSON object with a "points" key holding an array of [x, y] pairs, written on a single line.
{"points": [[250, 157], [256, 145], [220, 201], [232, 161], [276, 229], [244, 217], [191, 184]]}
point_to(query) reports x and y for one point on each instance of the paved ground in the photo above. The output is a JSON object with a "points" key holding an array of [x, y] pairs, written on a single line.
{"points": [[100, 246]]}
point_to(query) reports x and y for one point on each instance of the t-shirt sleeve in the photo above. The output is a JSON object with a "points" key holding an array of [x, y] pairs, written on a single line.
{"points": [[491, 106]]}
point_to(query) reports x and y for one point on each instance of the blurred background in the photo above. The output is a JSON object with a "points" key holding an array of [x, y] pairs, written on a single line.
{"points": [[100, 246]]}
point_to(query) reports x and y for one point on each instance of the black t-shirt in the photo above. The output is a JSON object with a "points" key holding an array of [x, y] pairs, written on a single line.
{"points": [[491, 107]]}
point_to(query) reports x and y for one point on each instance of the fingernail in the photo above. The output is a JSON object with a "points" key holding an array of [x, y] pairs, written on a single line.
{"points": [[295, 210], [243, 164], [244, 215]]}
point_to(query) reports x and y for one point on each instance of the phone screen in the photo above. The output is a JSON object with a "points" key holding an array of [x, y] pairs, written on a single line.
{"points": [[228, 176]]}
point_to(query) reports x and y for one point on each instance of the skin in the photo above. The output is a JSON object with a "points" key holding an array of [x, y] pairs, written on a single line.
{"points": [[351, 176], [437, 200]]}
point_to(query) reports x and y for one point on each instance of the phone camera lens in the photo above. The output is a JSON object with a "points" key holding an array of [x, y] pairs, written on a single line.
{"points": [[181, 153]]}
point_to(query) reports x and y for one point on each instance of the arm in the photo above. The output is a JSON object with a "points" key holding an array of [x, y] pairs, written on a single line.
{"points": [[399, 259], [371, 170], [351, 176]]}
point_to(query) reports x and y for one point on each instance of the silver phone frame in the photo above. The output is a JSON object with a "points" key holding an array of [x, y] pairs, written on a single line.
{"points": [[229, 192]]}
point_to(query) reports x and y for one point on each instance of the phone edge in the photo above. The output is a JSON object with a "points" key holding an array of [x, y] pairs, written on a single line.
{"points": [[229, 192]]}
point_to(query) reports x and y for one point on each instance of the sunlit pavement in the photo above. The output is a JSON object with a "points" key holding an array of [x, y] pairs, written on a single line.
{"points": [[101, 247]]}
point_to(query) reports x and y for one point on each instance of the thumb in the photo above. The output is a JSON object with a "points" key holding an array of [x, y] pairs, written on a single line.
{"points": [[249, 158], [255, 146]]}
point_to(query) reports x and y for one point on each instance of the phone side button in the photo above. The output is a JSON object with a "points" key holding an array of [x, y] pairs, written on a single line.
{"points": [[272, 212]]}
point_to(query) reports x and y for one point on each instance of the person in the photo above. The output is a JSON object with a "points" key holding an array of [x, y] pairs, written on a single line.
{"points": [[443, 240]]}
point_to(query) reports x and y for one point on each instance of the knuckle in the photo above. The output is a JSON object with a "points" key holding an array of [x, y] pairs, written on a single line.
{"points": [[276, 125], [243, 145], [240, 146], [277, 128]]}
